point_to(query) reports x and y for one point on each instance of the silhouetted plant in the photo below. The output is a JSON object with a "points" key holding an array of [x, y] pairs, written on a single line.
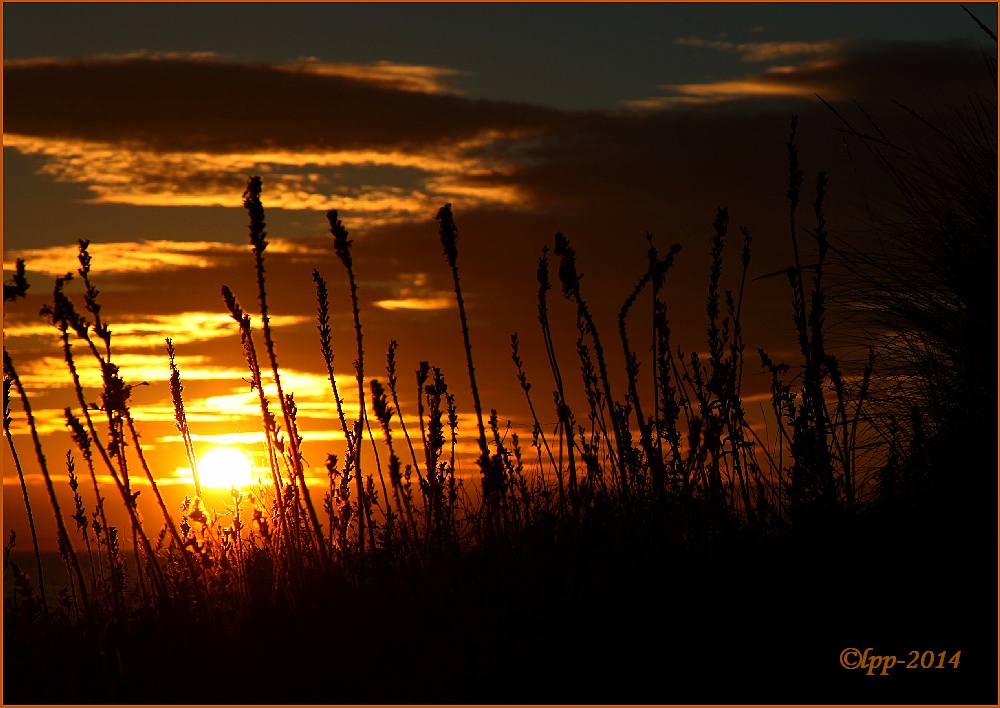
{"points": [[342, 247], [600, 400], [656, 273], [258, 240], [270, 428], [563, 412], [492, 477], [18, 286], [924, 286], [180, 417], [8, 383], [66, 550], [632, 479]]}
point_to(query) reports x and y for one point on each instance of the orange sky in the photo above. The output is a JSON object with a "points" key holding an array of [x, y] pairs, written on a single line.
{"points": [[146, 155]]}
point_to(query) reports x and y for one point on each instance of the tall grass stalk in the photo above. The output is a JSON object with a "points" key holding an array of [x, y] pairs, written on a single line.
{"points": [[270, 432], [391, 371], [537, 433], [342, 247], [18, 288], [563, 412], [65, 545], [8, 382], [351, 437], [655, 272], [63, 315], [258, 240], [101, 527], [167, 518], [492, 481], [180, 417], [570, 280], [80, 516]]}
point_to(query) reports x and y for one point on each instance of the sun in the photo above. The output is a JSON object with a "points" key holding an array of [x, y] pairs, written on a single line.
{"points": [[224, 468]]}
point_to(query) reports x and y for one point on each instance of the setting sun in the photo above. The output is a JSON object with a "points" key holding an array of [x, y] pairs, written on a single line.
{"points": [[224, 468]]}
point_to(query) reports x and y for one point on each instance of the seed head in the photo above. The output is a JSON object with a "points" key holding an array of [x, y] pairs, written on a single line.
{"points": [[449, 234], [341, 244]]}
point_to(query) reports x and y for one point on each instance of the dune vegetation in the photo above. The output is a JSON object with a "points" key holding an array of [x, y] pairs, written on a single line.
{"points": [[652, 546]]}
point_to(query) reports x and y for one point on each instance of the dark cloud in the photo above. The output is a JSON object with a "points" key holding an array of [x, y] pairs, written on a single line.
{"points": [[177, 104], [205, 103], [187, 130]]}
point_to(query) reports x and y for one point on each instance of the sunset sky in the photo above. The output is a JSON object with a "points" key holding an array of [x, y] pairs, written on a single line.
{"points": [[136, 127]]}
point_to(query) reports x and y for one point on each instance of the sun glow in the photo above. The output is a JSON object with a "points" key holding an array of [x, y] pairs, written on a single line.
{"points": [[224, 468]]}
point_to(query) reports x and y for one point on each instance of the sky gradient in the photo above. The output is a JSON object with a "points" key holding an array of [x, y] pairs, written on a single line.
{"points": [[136, 126]]}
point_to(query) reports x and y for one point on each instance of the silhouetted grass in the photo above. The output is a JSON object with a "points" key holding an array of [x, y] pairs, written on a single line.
{"points": [[651, 535], [924, 285]]}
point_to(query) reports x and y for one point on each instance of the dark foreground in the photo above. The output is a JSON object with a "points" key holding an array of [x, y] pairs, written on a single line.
{"points": [[602, 617]]}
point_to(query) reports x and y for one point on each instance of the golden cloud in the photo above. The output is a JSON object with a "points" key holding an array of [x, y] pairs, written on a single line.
{"points": [[322, 127], [768, 51], [413, 293], [313, 396], [776, 82], [123, 257], [296, 179], [42, 373], [416, 303], [403, 77], [146, 256]]}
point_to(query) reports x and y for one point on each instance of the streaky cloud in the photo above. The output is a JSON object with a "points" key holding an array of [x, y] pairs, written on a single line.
{"points": [[753, 52], [860, 71], [143, 256], [404, 77]]}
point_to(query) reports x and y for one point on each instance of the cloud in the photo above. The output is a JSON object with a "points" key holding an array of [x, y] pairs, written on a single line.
{"points": [[141, 256], [211, 105], [46, 372], [185, 131], [417, 303], [146, 256], [412, 292], [388, 143], [310, 180], [768, 51], [859, 71], [404, 77], [776, 82]]}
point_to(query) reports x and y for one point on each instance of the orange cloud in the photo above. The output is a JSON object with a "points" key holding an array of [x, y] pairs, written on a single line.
{"points": [[124, 174], [323, 129], [413, 293], [416, 303], [144, 257], [776, 82], [768, 51], [404, 77], [866, 72]]}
